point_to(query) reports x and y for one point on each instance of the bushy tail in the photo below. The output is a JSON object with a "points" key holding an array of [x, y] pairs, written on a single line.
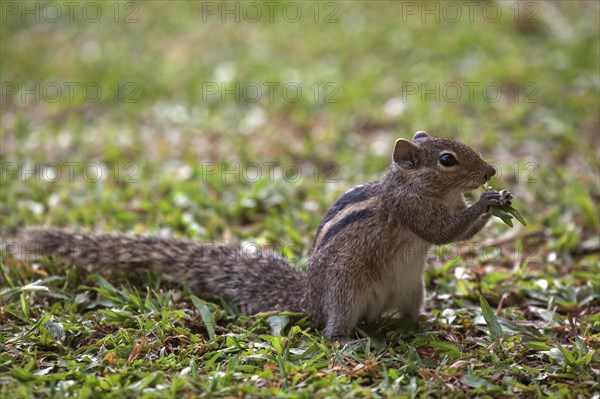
{"points": [[257, 281]]}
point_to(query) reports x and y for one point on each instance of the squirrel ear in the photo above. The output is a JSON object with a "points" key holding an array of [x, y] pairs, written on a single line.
{"points": [[420, 135], [405, 151]]}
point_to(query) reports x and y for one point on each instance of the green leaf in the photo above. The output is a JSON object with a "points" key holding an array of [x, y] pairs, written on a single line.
{"points": [[490, 318], [118, 315], [149, 380], [445, 346], [278, 323], [555, 354], [450, 264], [506, 213], [102, 282], [24, 306], [500, 213], [206, 315], [587, 359], [568, 356], [56, 329], [21, 374], [37, 325], [451, 350], [7, 293], [474, 381], [537, 346], [515, 213]]}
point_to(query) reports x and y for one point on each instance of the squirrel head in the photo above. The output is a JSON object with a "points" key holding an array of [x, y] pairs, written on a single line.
{"points": [[439, 166]]}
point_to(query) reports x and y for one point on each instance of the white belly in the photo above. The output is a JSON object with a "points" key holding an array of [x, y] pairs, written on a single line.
{"points": [[401, 288]]}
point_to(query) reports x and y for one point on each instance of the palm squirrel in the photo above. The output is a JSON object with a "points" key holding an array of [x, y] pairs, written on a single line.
{"points": [[368, 255]]}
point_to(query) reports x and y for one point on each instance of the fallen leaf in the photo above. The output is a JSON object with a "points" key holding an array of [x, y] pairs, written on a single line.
{"points": [[134, 353]]}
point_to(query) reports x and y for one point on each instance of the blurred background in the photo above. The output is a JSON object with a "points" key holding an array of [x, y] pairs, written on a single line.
{"points": [[238, 120]]}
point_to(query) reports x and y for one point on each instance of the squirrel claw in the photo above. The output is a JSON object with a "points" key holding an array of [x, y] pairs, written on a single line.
{"points": [[505, 197]]}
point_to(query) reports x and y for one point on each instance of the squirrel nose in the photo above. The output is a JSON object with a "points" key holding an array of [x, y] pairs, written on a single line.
{"points": [[489, 172]]}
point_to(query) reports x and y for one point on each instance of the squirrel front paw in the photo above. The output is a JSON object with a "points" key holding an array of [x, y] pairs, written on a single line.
{"points": [[498, 198], [505, 197]]}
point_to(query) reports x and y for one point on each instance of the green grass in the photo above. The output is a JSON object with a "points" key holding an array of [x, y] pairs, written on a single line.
{"points": [[513, 313]]}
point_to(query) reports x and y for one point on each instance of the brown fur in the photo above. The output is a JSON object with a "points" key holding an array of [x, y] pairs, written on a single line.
{"points": [[368, 256]]}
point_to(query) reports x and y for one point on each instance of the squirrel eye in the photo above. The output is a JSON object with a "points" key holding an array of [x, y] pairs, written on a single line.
{"points": [[448, 160]]}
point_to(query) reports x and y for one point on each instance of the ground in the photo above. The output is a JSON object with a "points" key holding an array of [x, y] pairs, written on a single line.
{"points": [[241, 123]]}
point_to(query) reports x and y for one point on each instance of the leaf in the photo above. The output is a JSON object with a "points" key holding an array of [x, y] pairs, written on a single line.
{"points": [[568, 356], [145, 382], [500, 213], [110, 358], [43, 371], [56, 329], [206, 316], [445, 346], [37, 325], [490, 318], [537, 346], [450, 264], [21, 374], [7, 293], [134, 353], [473, 381], [278, 323], [119, 315], [451, 350], [24, 306], [555, 354], [102, 282], [587, 359], [516, 214]]}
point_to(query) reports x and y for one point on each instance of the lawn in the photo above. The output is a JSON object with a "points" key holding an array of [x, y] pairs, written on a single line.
{"points": [[241, 123]]}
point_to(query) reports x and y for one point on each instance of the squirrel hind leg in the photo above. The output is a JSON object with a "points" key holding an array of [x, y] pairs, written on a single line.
{"points": [[340, 322], [412, 305]]}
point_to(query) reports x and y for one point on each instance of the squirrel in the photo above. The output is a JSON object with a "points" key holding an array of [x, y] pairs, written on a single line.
{"points": [[368, 255]]}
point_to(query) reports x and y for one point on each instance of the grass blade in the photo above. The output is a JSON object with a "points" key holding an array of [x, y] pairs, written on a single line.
{"points": [[206, 315], [490, 318]]}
